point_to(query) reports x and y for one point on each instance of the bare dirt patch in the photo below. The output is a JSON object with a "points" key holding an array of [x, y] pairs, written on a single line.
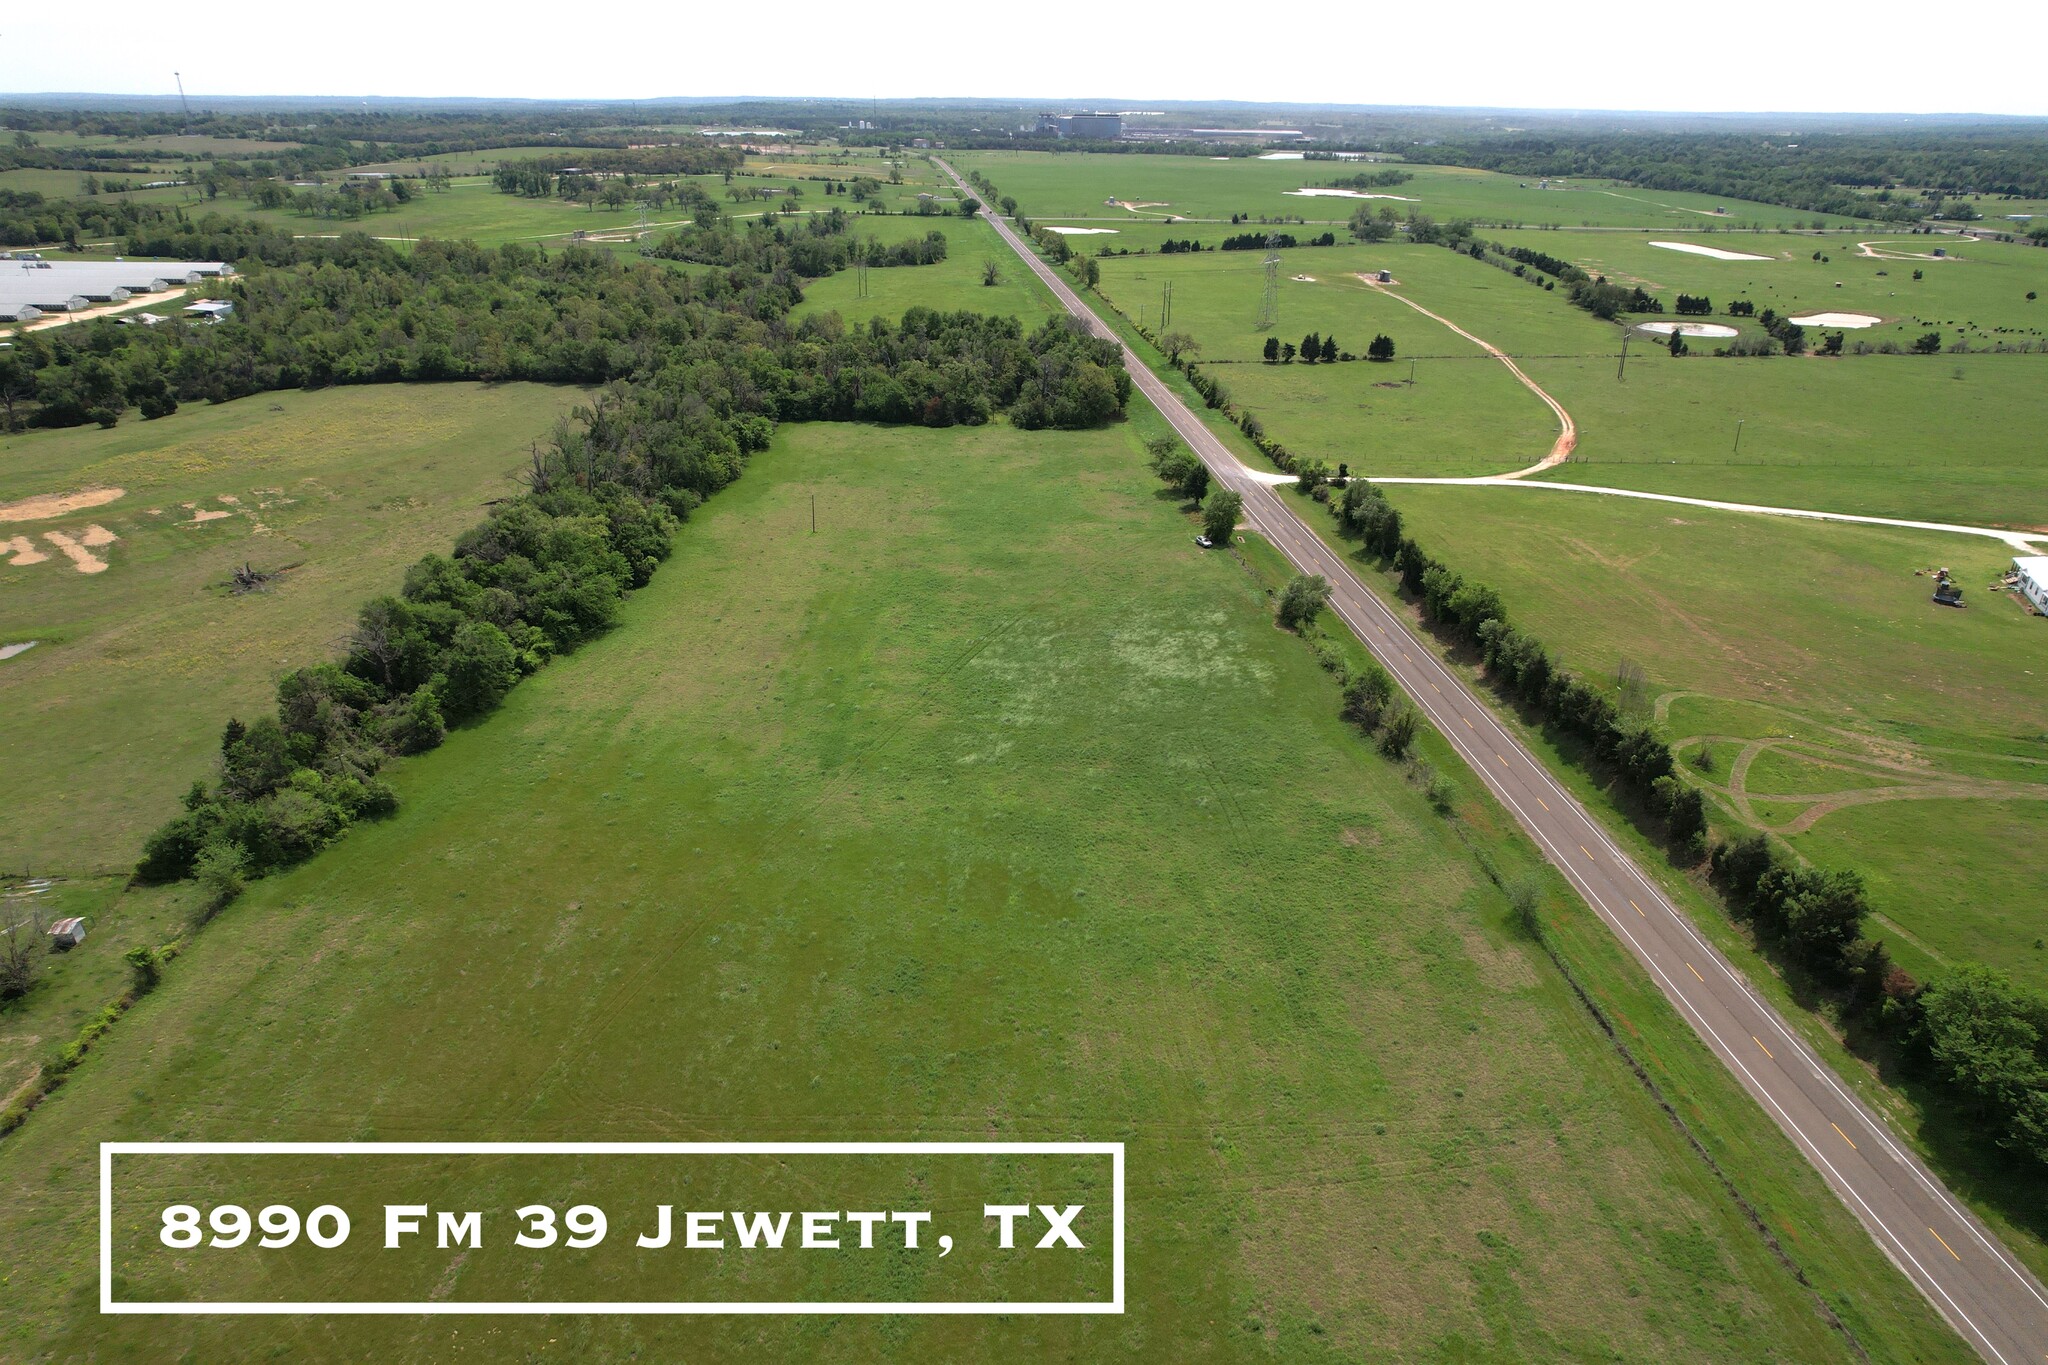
{"points": [[22, 552], [83, 559], [47, 505]]}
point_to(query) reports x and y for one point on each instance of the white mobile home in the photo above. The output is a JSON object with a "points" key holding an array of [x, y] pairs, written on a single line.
{"points": [[2033, 579]]}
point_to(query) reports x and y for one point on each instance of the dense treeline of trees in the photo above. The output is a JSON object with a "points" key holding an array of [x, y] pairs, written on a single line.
{"points": [[1371, 180], [1641, 763], [819, 245], [702, 366], [353, 310], [1874, 175], [1609, 301], [1973, 1031]]}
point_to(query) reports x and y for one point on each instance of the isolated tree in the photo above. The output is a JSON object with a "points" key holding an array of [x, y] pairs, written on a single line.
{"points": [[1178, 344], [1928, 343], [1329, 350], [1676, 343], [1831, 343], [1311, 349], [1219, 515], [1272, 352], [1286, 353], [991, 271], [1382, 348], [1303, 600]]}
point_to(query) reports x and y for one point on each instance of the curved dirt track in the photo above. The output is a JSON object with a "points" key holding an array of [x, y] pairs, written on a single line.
{"points": [[1567, 430]]}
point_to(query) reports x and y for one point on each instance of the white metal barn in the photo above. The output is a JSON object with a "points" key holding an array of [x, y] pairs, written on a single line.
{"points": [[67, 933], [67, 286]]}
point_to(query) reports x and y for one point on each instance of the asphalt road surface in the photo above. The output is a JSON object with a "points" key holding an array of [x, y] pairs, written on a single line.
{"points": [[1972, 1280]]}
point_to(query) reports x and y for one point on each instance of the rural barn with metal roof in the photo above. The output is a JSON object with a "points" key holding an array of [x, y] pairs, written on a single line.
{"points": [[66, 286]]}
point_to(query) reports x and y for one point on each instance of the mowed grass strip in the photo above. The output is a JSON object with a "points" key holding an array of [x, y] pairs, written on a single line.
{"points": [[993, 809]]}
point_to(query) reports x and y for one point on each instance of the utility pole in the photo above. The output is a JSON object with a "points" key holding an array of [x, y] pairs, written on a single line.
{"points": [[1411, 371], [814, 514], [1738, 436], [1621, 374], [179, 77]]}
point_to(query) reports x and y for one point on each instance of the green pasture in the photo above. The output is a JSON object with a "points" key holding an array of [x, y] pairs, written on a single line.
{"points": [[1465, 414], [470, 208], [1942, 437], [952, 285], [119, 706], [1977, 293], [991, 808], [1070, 185], [1819, 639]]}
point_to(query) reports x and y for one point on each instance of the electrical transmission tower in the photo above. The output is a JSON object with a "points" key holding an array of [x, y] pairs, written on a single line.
{"points": [[1269, 305]]}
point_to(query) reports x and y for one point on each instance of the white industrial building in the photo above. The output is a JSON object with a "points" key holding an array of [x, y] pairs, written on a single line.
{"points": [[31, 287], [2033, 579]]}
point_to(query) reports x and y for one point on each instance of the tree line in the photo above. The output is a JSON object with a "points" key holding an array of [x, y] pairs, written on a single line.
{"points": [[702, 367], [1973, 1032]]}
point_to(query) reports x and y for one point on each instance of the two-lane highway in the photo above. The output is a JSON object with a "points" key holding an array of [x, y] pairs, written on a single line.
{"points": [[1976, 1284]]}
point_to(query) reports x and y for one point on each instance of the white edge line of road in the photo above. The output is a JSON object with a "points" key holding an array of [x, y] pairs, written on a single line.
{"points": [[1563, 863]]}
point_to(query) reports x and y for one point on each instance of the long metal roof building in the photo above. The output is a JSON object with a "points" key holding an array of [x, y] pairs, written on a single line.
{"points": [[65, 286]]}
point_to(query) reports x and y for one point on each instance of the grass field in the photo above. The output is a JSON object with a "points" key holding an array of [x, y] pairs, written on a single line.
{"points": [[1072, 185], [1812, 662], [1976, 293], [950, 285], [119, 706], [993, 807], [1945, 437]]}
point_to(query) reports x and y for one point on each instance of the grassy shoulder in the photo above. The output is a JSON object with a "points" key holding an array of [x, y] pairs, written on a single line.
{"points": [[992, 807], [2002, 1190]]}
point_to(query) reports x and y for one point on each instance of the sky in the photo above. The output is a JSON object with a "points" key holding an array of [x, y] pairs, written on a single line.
{"points": [[1577, 54]]}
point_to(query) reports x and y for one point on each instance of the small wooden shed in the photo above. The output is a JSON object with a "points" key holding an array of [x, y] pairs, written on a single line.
{"points": [[66, 933]]}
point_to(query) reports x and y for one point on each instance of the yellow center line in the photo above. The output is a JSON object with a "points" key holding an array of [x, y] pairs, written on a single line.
{"points": [[1944, 1244], [1469, 725], [1637, 908], [1434, 688], [1589, 856], [1773, 1056], [1852, 1147], [1541, 802], [1498, 759], [1696, 974]]}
